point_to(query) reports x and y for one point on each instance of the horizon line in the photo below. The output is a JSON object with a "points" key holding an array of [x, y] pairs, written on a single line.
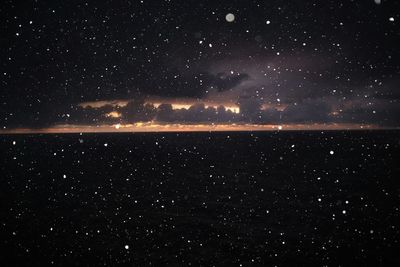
{"points": [[176, 128]]}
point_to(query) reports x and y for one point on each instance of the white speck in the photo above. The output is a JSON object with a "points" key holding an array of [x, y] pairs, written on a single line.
{"points": [[378, 2], [30, 22], [277, 53], [344, 211], [230, 17], [319, 200], [391, 19], [210, 45], [64, 176], [14, 143], [268, 22], [105, 144], [331, 152], [117, 126], [200, 42], [17, 34], [280, 127], [126, 247]]}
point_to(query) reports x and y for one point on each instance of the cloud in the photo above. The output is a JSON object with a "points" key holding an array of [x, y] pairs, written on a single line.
{"points": [[381, 114], [225, 82], [197, 85], [197, 113], [308, 111], [252, 111], [137, 110]]}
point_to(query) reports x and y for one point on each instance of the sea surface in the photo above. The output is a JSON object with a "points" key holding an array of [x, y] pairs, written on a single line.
{"points": [[201, 199]]}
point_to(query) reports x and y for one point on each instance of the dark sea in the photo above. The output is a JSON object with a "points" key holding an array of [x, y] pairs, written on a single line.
{"points": [[201, 199]]}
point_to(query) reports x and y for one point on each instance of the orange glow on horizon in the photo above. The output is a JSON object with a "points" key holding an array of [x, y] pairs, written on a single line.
{"points": [[156, 127]]}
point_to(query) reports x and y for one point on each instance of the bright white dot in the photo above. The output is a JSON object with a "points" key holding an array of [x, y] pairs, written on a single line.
{"points": [[344, 211], [280, 127], [277, 53], [268, 22], [378, 2], [105, 144], [17, 34], [14, 143], [64, 176], [230, 17], [319, 200], [117, 126], [210, 45], [331, 152], [30, 22], [126, 247], [391, 19]]}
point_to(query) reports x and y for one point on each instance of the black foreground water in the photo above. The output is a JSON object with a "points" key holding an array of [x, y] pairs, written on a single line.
{"points": [[201, 199]]}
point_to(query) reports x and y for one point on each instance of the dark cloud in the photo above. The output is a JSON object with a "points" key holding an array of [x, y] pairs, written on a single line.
{"points": [[308, 111], [225, 82], [250, 109], [386, 115], [137, 110], [87, 115], [194, 84]]}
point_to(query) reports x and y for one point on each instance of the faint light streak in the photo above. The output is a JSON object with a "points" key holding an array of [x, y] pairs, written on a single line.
{"points": [[157, 127]]}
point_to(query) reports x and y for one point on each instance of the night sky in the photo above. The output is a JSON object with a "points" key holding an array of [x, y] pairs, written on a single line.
{"points": [[199, 133], [199, 62]]}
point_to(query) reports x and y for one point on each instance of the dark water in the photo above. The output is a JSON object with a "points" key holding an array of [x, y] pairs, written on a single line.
{"points": [[205, 199]]}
